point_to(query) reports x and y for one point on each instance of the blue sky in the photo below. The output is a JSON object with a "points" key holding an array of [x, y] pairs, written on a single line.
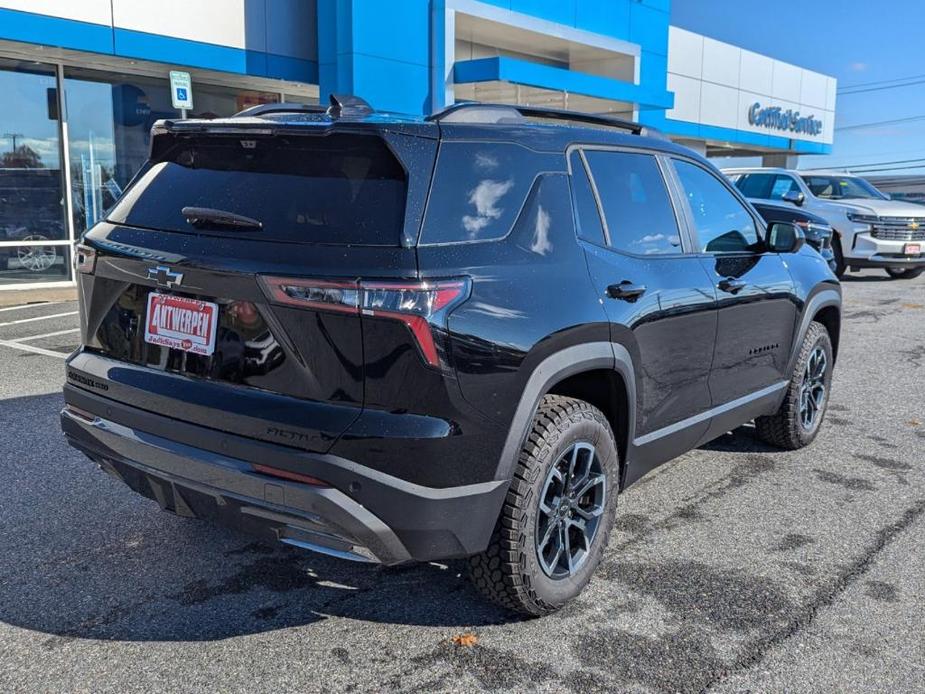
{"points": [[858, 42]]}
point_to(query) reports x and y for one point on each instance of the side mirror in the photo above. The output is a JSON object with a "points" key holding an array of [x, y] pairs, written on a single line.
{"points": [[784, 237], [794, 196]]}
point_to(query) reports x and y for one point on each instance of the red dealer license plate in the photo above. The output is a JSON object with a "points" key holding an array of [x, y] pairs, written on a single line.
{"points": [[181, 323], [912, 248]]}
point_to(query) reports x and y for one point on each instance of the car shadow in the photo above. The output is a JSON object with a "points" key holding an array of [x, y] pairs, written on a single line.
{"points": [[85, 557], [740, 440]]}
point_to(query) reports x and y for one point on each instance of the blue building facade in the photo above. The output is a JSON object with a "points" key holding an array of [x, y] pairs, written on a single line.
{"points": [[85, 80]]}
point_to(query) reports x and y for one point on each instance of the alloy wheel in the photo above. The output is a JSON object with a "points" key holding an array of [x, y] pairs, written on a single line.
{"points": [[37, 258], [813, 390], [571, 505]]}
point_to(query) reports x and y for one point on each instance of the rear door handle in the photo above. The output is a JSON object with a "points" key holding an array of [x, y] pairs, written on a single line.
{"points": [[626, 290], [732, 285]]}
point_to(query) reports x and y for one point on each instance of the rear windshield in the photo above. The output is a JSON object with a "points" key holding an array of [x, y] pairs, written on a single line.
{"points": [[338, 189]]}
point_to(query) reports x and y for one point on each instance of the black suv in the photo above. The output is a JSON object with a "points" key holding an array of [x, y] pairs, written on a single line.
{"points": [[392, 339]]}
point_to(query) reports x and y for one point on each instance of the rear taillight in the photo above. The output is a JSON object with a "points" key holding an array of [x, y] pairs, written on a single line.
{"points": [[84, 259], [422, 306]]}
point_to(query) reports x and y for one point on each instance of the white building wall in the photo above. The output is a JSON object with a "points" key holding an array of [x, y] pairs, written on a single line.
{"points": [[715, 83], [283, 27]]}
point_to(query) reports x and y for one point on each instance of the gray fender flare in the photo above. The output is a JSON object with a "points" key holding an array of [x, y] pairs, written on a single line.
{"points": [[826, 297], [554, 368]]}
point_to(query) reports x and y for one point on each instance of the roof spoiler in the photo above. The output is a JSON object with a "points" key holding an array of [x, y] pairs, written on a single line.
{"points": [[342, 106]]}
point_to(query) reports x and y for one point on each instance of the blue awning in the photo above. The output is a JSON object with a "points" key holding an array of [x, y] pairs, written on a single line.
{"points": [[514, 71]]}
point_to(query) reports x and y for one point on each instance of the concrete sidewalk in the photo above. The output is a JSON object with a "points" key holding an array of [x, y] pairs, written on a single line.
{"points": [[16, 297]]}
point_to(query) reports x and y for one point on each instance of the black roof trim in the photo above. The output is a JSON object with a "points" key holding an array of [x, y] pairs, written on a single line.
{"points": [[486, 113]]}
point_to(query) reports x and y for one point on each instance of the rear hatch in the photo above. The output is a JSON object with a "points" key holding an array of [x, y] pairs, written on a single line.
{"points": [[184, 287]]}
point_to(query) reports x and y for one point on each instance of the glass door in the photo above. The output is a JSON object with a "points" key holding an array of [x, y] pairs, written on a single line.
{"points": [[34, 239]]}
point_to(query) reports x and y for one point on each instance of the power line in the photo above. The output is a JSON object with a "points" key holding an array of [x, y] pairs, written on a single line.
{"points": [[879, 89], [888, 168], [878, 163], [858, 126], [878, 82]]}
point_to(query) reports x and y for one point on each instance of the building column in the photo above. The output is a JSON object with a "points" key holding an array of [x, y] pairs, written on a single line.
{"points": [[698, 146], [780, 161], [379, 51]]}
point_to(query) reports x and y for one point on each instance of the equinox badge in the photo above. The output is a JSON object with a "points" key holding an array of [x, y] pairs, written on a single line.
{"points": [[165, 277]]}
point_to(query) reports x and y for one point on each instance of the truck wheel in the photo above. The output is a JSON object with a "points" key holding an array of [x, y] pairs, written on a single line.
{"points": [[558, 514], [797, 421], [840, 266], [898, 273]]}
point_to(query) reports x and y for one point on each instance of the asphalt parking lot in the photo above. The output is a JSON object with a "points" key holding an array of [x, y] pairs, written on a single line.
{"points": [[734, 568]]}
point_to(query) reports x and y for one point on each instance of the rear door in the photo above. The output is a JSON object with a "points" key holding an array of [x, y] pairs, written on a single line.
{"points": [[756, 298], [190, 313], [657, 296]]}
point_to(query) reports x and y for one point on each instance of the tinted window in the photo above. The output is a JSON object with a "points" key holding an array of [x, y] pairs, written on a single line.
{"points": [[587, 215], [766, 186], [479, 189], [337, 189], [638, 211], [722, 222], [755, 185]]}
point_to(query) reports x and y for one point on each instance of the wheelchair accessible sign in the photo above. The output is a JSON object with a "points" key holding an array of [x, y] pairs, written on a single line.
{"points": [[181, 90]]}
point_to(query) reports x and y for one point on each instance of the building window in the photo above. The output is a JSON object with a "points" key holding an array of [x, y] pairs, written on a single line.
{"points": [[109, 129], [33, 234]]}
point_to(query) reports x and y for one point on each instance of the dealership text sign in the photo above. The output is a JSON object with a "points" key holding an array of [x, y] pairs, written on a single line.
{"points": [[776, 118]]}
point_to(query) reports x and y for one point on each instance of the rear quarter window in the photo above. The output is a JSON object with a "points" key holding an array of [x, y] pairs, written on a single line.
{"points": [[480, 188]]}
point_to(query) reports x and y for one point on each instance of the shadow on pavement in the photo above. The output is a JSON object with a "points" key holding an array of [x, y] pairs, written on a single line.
{"points": [[84, 557]]}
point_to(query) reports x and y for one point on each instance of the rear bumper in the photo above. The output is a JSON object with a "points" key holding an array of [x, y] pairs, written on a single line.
{"points": [[194, 471]]}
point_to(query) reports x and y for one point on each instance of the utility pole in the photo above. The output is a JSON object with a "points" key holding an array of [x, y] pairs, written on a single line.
{"points": [[13, 137]]}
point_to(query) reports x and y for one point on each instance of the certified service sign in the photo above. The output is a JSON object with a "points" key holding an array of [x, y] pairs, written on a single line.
{"points": [[775, 118]]}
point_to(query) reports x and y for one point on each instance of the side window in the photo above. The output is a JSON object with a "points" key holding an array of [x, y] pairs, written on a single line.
{"points": [[723, 224], [782, 185], [637, 209], [755, 185], [479, 188], [587, 215]]}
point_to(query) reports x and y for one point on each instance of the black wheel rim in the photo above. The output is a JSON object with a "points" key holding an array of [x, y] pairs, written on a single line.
{"points": [[813, 390], [572, 503]]}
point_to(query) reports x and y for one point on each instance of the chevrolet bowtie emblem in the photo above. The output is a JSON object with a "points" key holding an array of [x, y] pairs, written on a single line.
{"points": [[914, 225], [165, 277]]}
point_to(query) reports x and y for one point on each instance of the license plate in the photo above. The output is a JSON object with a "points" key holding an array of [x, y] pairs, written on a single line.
{"points": [[181, 323], [912, 249]]}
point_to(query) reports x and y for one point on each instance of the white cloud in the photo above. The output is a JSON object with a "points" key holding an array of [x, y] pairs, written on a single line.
{"points": [[541, 243], [485, 198]]}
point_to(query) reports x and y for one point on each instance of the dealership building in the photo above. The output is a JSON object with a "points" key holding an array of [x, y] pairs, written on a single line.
{"points": [[82, 83]]}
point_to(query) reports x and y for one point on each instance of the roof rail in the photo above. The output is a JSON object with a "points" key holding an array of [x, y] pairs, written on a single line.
{"points": [[475, 112], [264, 109]]}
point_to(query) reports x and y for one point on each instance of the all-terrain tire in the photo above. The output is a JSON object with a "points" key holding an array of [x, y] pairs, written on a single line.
{"points": [[904, 274], [785, 428], [840, 267], [509, 572]]}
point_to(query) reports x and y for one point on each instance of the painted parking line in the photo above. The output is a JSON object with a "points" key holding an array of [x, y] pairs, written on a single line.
{"points": [[29, 338], [38, 318], [37, 304], [34, 350]]}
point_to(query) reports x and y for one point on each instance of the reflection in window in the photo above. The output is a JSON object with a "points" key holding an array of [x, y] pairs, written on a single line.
{"points": [[479, 190], [722, 222], [639, 214], [31, 190]]}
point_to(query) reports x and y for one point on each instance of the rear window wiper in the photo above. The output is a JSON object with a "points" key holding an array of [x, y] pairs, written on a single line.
{"points": [[206, 216]]}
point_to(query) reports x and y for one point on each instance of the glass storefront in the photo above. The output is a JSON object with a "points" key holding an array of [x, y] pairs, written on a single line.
{"points": [[108, 119], [32, 200]]}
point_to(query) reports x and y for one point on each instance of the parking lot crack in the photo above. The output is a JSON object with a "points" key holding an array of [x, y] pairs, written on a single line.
{"points": [[824, 597]]}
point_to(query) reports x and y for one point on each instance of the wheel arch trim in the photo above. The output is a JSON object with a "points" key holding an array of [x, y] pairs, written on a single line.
{"points": [[556, 367], [821, 299]]}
